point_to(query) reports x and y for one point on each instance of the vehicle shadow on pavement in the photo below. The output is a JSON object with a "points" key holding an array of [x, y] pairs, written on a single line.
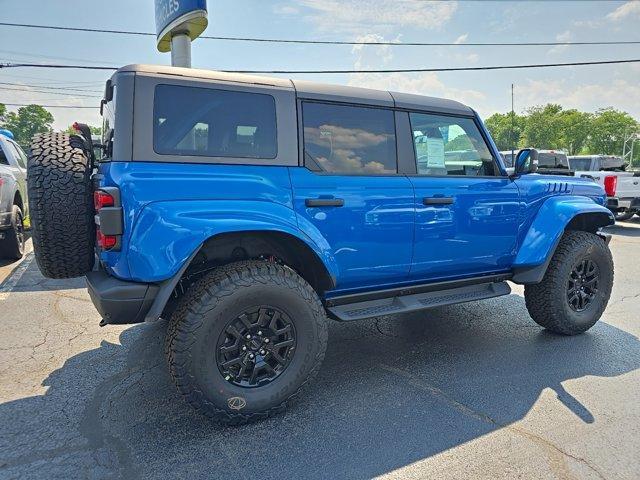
{"points": [[625, 229], [392, 391]]}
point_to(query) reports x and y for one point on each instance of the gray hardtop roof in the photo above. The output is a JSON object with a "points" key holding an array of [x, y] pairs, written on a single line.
{"points": [[315, 91]]}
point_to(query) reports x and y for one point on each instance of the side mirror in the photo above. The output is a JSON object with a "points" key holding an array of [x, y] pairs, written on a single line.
{"points": [[526, 161]]}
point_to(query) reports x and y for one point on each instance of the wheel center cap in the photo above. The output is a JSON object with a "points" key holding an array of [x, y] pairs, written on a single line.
{"points": [[255, 344]]}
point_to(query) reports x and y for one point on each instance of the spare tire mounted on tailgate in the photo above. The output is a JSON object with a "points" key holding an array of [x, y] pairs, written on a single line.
{"points": [[61, 202]]}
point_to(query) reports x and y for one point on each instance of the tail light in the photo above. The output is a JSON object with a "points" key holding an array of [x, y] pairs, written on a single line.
{"points": [[106, 201], [102, 199], [610, 184], [106, 241]]}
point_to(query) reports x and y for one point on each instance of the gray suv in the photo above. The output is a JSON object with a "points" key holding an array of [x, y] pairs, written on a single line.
{"points": [[13, 197]]}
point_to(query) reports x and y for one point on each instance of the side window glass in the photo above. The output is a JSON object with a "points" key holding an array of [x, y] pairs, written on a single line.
{"points": [[19, 155], [216, 123], [450, 146], [3, 156], [349, 139]]}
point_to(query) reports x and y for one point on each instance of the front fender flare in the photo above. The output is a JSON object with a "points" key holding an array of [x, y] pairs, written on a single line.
{"points": [[167, 234], [546, 230]]}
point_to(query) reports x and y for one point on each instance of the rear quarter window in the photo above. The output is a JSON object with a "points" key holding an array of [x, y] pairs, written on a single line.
{"points": [[213, 123]]}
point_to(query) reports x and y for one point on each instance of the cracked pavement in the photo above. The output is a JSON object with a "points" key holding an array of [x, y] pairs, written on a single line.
{"points": [[469, 391]]}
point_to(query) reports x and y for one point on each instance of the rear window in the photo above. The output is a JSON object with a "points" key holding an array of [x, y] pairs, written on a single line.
{"points": [[213, 123], [552, 160], [583, 164]]}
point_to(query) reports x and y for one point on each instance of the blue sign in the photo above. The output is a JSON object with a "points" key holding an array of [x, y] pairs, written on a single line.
{"points": [[188, 16]]}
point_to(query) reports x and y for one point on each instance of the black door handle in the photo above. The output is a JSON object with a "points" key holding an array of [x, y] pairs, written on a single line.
{"points": [[437, 200], [324, 202]]}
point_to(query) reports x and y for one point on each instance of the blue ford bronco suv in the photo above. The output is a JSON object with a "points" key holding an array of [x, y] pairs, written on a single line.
{"points": [[247, 210]]}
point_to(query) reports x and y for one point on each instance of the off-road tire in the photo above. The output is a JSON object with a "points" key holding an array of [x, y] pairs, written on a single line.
{"points": [[61, 205], [624, 216], [12, 246], [547, 301], [203, 312]]}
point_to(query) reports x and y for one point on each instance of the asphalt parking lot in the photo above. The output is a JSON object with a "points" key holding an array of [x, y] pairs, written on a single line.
{"points": [[470, 391]]}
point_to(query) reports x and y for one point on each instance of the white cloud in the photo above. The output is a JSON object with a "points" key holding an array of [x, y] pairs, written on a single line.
{"points": [[372, 56], [419, 83], [362, 16], [618, 93], [286, 10], [461, 39], [561, 37], [625, 10]]}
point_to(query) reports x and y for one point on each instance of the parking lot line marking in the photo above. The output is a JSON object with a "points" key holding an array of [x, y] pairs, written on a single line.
{"points": [[9, 284]]}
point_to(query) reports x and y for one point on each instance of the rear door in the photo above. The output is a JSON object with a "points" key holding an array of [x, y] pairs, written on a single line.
{"points": [[467, 213], [350, 194]]}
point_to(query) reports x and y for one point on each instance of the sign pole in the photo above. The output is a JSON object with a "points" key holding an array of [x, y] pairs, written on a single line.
{"points": [[181, 50], [178, 23]]}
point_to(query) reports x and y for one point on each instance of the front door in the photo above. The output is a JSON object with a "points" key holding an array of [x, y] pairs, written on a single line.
{"points": [[350, 194], [467, 214]]}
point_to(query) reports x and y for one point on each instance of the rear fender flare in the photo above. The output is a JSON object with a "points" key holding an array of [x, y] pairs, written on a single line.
{"points": [[168, 234], [555, 216]]}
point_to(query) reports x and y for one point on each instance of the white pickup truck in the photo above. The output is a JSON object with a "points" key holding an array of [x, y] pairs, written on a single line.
{"points": [[623, 188]]}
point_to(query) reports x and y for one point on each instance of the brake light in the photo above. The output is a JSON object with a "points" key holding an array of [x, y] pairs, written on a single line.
{"points": [[610, 184], [106, 241], [102, 199]]}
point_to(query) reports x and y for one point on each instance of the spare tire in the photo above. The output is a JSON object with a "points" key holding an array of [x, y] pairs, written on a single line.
{"points": [[61, 205]]}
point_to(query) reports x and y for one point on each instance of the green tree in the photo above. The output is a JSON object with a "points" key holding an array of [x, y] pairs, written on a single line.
{"points": [[543, 127], [27, 122], [608, 128], [506, 129], [575, 128], [94, 130], [3, 113]]}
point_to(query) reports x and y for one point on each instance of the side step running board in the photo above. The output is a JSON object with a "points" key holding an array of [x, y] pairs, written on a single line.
{"points": [[419, 301]]}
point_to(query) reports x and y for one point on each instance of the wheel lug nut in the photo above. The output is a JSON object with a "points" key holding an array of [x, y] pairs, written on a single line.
{"points": [[260, 332], [251, 355], [262, 352], [266, 340], [244, 348], [248, 337]]}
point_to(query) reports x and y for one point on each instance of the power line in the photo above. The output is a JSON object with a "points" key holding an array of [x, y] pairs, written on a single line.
{"points": [[388, 70], [47, 87], [52, 65], [330, 42], [49, 92], [45, 106]]}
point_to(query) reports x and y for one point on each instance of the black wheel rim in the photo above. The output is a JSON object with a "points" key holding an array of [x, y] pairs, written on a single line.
{"points": [[256, 347], [20, 233], [583, 285]]}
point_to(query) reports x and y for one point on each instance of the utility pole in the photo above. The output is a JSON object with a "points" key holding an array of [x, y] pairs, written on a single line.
{"points": [[513, 120]]}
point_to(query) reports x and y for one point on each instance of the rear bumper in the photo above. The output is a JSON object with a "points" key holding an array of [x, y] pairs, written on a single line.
{"points": [[120, 302], [629, 203], [612, 204]]}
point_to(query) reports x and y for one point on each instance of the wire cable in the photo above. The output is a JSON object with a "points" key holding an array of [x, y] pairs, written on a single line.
{"points": [[387, 70], [331, 42], [48, 87], [46, 106], [48, 92]]}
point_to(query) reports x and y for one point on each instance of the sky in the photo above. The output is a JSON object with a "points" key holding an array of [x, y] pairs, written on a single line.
{"points": [[587, 88]]}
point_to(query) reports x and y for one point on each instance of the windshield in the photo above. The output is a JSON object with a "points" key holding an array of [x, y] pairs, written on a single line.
{"points": [[580, 164], [552, 160]]}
